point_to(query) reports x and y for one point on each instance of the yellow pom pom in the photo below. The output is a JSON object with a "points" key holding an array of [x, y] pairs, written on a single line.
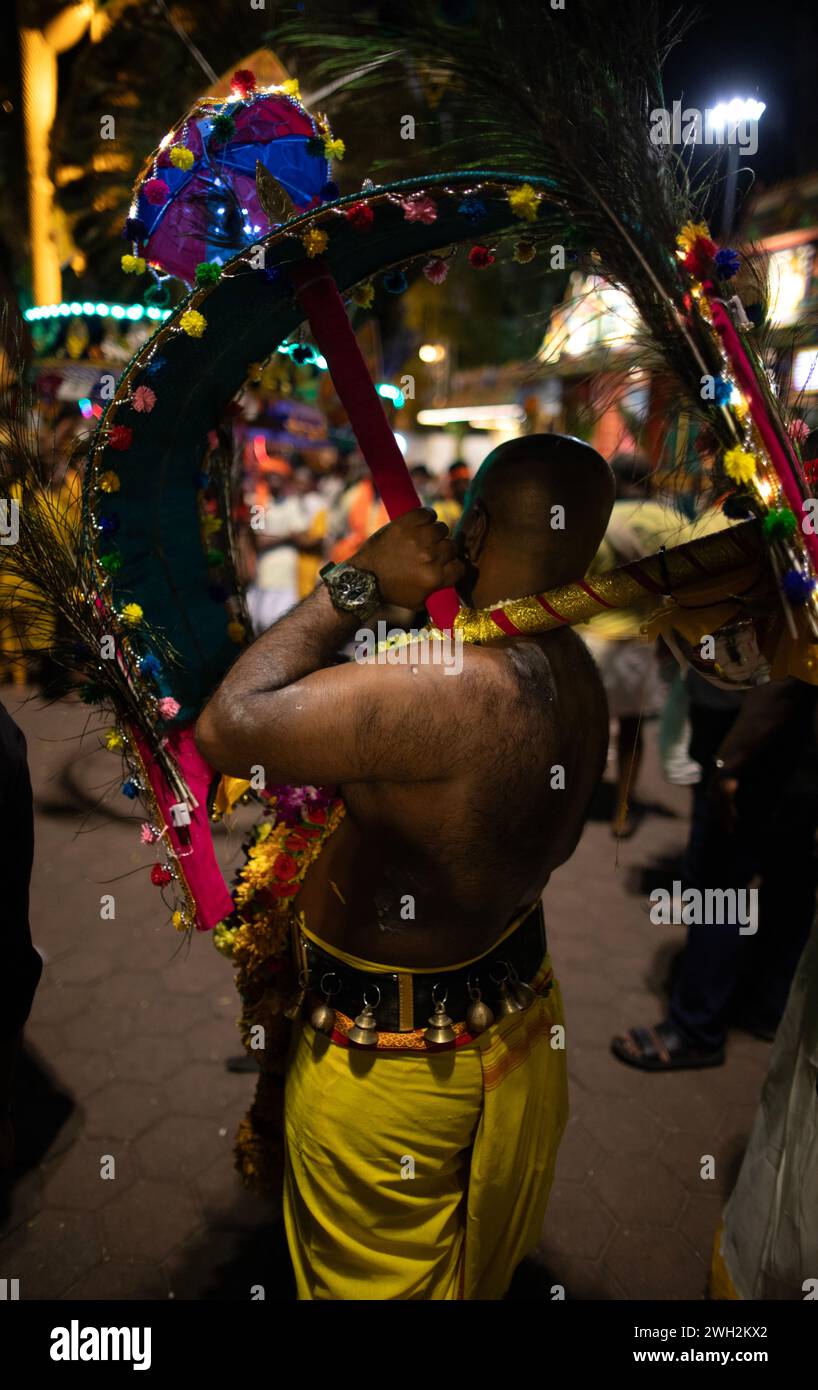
{"points": [[132, 614], [691, 232], [109, 482], [290, 88], [524, 252], [524, 202], [334, 149], [181, 157], [133, 265], [114, 740], [739, 465], [315, 241], [178, 921], [235, 632], [364, 294], [193, 323]]}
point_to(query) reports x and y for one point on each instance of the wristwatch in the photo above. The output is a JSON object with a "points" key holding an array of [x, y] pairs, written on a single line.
{"points": [[352, 590]]}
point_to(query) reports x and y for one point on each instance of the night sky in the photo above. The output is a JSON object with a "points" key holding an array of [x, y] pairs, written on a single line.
{"points": [[767, 51]]}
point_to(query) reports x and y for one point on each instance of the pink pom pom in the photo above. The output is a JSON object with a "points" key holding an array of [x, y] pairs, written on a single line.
{"points": [[144, 399], [168, 707], [156, 191], [798, 430], [420, 208], [436, 270], [147, 835]]}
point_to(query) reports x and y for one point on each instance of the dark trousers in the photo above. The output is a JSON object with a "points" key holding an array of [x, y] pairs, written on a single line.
{"points": [[725, 975]]}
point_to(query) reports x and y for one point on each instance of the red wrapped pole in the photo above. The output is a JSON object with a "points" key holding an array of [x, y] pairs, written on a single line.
{"points": [[319, 297]]}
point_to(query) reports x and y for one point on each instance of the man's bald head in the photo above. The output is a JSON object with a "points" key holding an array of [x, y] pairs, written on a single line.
{"points": [[538, 505]]}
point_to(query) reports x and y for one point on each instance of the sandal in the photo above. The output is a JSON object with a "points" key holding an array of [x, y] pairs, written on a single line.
{"points": [[663, 1049]]}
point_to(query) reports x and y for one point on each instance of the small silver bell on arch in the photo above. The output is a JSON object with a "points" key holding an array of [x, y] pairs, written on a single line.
{"points": [[440, 1030], [323, 1016], [364, 1031], [479, 1016], [523, 993], [508, 1003]]}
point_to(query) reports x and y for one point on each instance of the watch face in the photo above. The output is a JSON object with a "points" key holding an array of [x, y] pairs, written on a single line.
{"points": [[354, 588]]}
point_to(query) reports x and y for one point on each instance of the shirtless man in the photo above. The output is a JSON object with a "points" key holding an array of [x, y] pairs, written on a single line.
{"points": [[452, 804]]}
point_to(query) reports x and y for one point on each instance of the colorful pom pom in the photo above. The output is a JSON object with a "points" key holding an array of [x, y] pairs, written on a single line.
{"points": [[314, 241], [114, 740], [364, 294], [419, 208], [739, 465], [193, 323], [109, 481], [315, 145], [480, 257], [330, 191], [224, 127], [361, 216], [797, 587], [150, 665], [243, 83], [290, 88], [736, 507], [168, 707], [112, 562], [779, 524], [235, 631], [108, 524], [208, 273], [178, 921], [524, 202], [144, 399], [156, 191], [133, 265], [798, 430], [722, 390], [334, 149], [472, 208], [155, 366], [132, 614], [727, 262], [524, 252], [147, 834], [181, 157], [130, 789], [395, 282], [120, 438], [436, 270], [134, 229], [160, 876], [690, 233]]}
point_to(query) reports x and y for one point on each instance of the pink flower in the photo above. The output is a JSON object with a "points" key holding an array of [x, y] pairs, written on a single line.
{"points": [[420, 208], [156, 191], [168, 707], [147, 834], [436, 270], [798, 430], [144, 399]]}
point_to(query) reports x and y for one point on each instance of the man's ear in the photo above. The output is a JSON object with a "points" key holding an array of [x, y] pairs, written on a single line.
{"points": [[475, 529]]}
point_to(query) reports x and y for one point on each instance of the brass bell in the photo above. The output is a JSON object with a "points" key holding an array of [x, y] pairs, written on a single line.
{"points": [[364, 1031], [479, 1016], [293, 1009], [323, 1016], [522, 993], [440, 1030], [508, 1002]]}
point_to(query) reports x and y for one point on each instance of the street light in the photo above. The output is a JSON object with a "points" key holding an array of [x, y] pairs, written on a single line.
{"points": [[727, 116]]}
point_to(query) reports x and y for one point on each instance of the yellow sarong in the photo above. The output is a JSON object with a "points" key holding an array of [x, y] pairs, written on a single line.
{"points": [[417, 1175]]}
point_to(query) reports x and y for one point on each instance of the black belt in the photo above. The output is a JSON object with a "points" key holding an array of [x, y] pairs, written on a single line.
{"points": [[407, 1001]]}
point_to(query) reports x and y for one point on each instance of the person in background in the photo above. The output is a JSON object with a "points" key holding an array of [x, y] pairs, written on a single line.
{"points": [[309, 541], [449, 508], [22, 964], [360, 514], [755, 815], [424, 484]]}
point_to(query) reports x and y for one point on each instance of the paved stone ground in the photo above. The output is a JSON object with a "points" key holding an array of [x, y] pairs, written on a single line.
{"points": [[125, 1057]]}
